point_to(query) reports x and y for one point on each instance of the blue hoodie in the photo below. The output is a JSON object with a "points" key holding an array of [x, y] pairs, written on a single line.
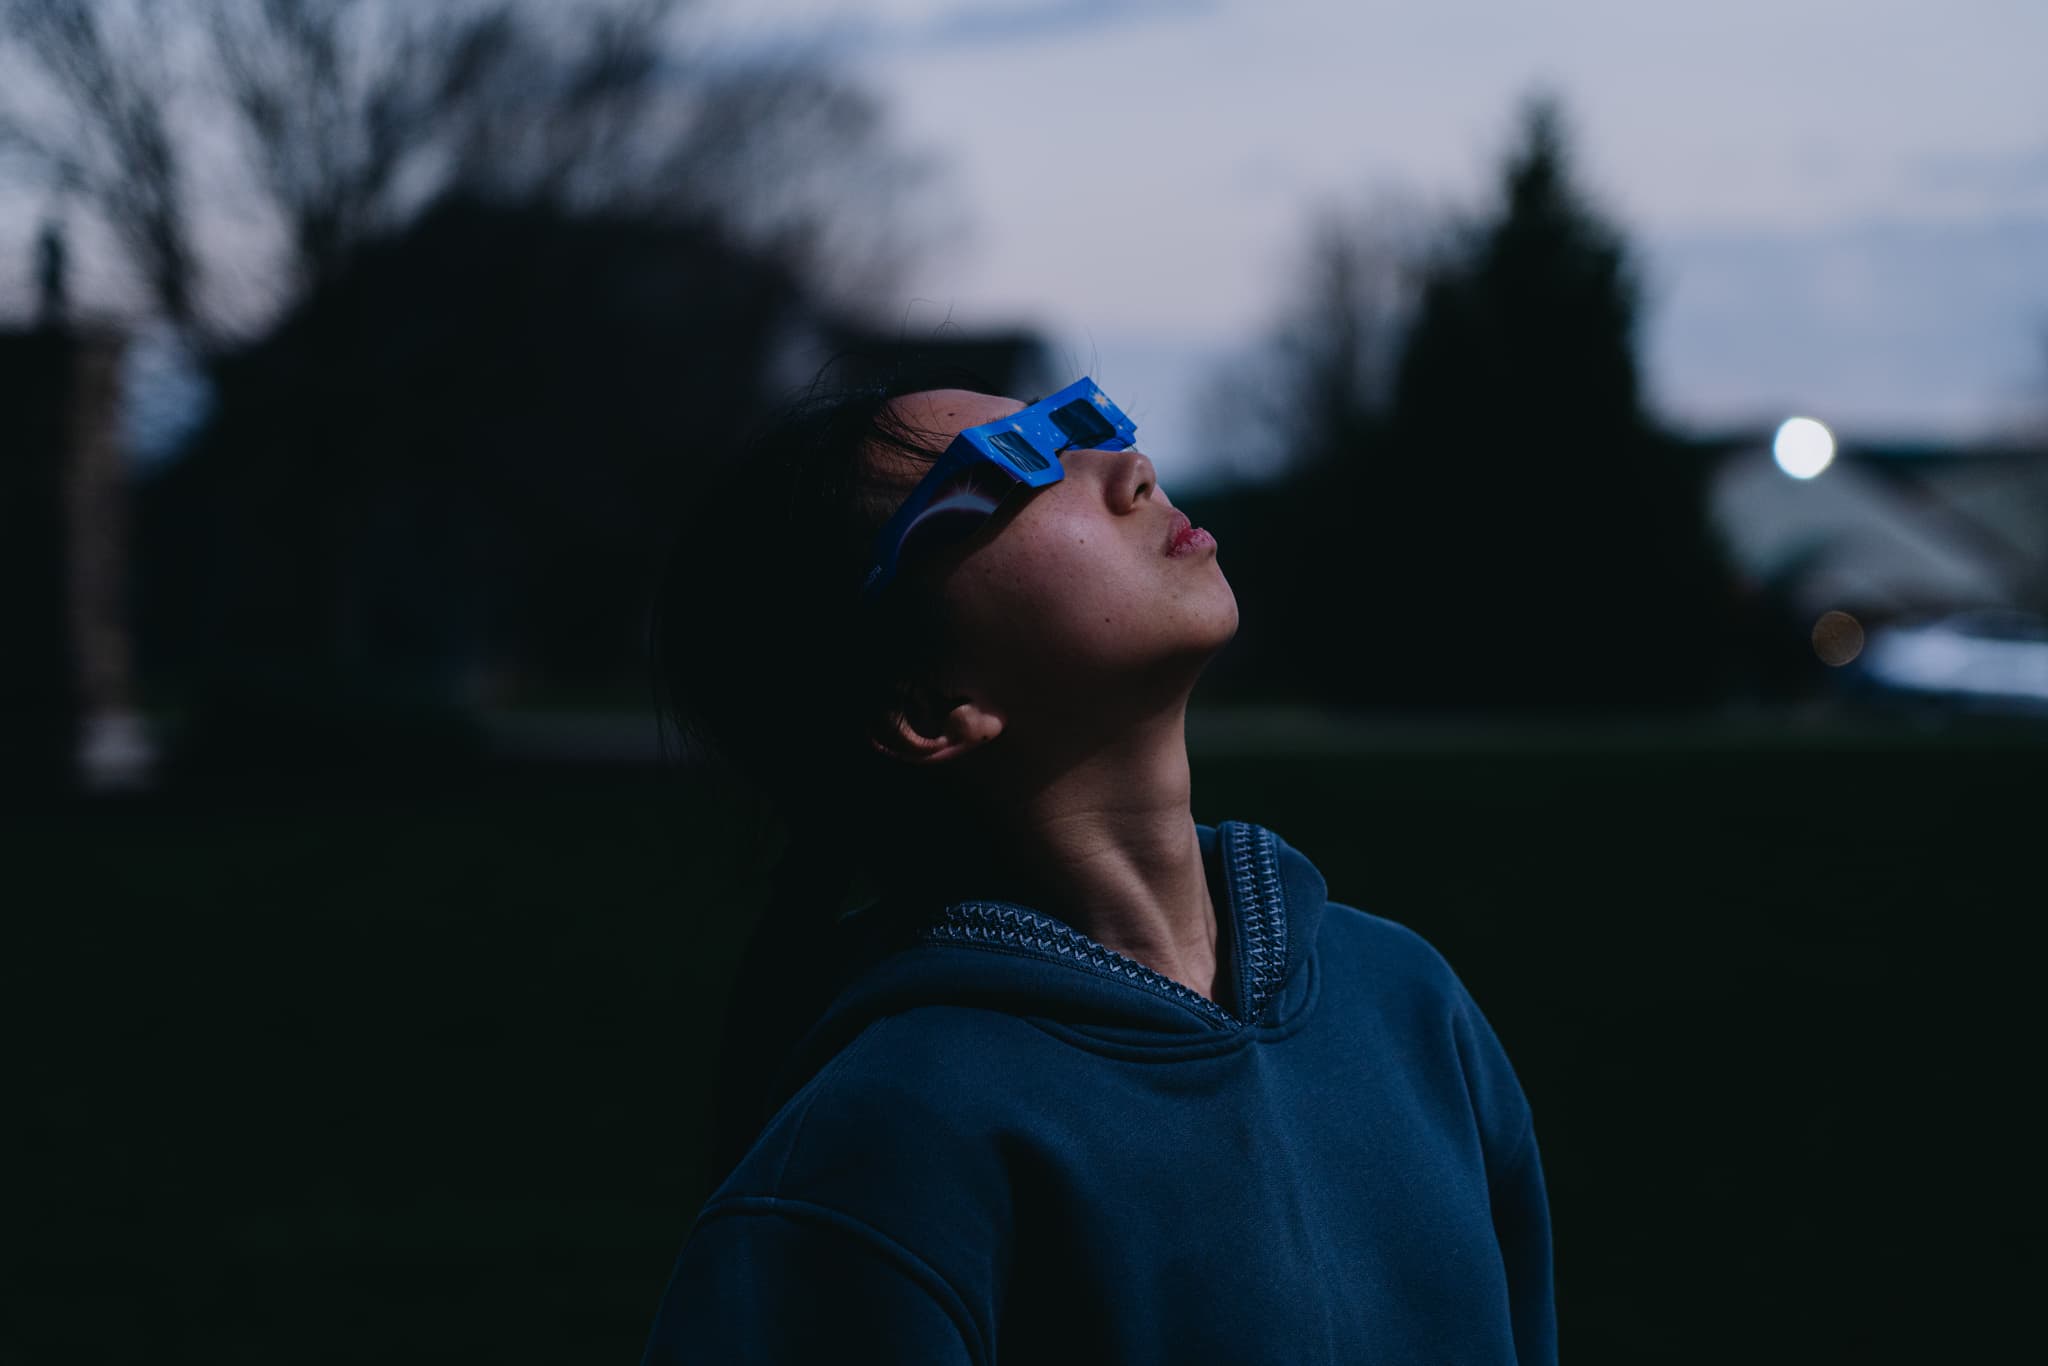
{"points": [[1006, 1142]]}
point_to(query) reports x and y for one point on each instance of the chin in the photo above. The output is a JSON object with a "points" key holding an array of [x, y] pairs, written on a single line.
{"points": [[1209, 630], [1224, 616]]}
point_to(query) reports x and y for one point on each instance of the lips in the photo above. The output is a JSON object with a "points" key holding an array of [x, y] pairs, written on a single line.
{"points": [[1174, 529]]}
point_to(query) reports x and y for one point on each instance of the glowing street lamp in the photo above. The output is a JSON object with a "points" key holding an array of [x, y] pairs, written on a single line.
{"points": [[1803, 447]]}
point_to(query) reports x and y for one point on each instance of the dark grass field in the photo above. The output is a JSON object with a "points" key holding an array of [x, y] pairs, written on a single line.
{"points": [[417, 1076]]}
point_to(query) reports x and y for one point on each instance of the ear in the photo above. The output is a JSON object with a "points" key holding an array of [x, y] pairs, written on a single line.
{"points": [[934, 725]]}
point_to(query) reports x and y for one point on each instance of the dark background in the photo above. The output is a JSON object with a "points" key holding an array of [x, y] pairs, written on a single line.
{"points": [[417, 1075], [366, 1003]]}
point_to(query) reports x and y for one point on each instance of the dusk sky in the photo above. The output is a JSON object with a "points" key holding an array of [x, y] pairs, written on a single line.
{"points": [[1842, 205]]}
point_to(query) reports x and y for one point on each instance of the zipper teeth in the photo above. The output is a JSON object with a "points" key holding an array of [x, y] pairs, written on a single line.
{"points": [[1001, 925], [1254, 866], [1257, 864]]}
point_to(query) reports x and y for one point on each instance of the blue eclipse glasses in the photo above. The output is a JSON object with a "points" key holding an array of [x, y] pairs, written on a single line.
{"points": [[986, 464]]}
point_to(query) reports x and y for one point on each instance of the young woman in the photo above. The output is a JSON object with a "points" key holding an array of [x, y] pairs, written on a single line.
{"points": [[1070, 1076]]}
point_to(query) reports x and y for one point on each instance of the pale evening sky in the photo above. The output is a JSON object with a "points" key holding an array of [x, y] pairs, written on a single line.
{"points": [[1842, 204]]}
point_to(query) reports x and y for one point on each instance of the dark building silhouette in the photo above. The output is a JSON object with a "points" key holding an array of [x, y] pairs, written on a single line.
{"points": [[63, 552]]}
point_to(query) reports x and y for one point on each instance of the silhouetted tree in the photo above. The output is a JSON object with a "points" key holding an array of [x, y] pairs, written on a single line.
{"points": [[535, 262], [1316, 388], [1295, 417], [1501, 524], [337, 120], [102, 126], [1557, 544], [454, 464]]}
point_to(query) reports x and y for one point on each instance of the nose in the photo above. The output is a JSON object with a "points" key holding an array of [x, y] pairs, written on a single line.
{"points": [[1129, 477]]}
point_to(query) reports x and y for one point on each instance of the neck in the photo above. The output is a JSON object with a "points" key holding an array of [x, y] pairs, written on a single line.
{"points": [[1103, 836]]}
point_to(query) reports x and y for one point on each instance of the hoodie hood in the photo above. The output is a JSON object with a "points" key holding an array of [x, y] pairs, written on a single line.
{"points": [[1027, 961]]}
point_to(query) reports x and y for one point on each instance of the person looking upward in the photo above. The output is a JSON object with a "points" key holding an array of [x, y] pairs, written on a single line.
{"points": [[1025, 1063]]}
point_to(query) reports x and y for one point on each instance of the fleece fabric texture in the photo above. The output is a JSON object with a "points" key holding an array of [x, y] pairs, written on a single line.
{"points": [[1005, 1142]]}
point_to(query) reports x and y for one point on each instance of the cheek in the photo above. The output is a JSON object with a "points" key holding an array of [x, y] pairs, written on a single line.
{"points": [[1057, 596]]}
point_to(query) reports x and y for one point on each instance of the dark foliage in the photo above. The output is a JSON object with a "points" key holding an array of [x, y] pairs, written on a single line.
{"points": [[456, 463], [1507, 527], [1557, 541]]}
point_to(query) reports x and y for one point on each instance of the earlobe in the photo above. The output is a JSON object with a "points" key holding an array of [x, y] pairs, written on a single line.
{"points": [[929, 728]]}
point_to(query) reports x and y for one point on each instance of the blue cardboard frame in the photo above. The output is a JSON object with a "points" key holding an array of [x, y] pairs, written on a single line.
{"points": [[985, 464]]}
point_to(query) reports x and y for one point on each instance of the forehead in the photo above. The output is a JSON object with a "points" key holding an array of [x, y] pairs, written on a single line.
{"points": [[942, 414]]}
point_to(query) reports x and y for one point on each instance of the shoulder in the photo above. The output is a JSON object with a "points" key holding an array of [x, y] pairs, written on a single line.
{"points": [[1397, 960], [895, 1136], [1402, 978], [903, 1104], [1390, 954]]}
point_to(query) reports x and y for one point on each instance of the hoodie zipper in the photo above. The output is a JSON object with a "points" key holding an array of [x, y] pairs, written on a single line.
{"points": [[1252, 866], [1254, 862]]}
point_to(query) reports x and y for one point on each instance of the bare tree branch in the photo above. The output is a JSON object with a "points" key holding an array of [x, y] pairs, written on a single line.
{"points": [[1323, 376], [120, 152], [351, 115]]}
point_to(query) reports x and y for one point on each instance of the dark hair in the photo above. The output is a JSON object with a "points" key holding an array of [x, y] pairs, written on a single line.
{"points": [[769, 668]]}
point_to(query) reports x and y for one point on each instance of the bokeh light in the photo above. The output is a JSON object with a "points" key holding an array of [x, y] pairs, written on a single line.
{"points": [[1803, 447], [1837, 638]]}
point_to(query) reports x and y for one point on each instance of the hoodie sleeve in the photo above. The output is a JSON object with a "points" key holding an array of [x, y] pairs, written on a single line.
{"points": [[1521, 1223], [1514, 1181], [770, 1280]]}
